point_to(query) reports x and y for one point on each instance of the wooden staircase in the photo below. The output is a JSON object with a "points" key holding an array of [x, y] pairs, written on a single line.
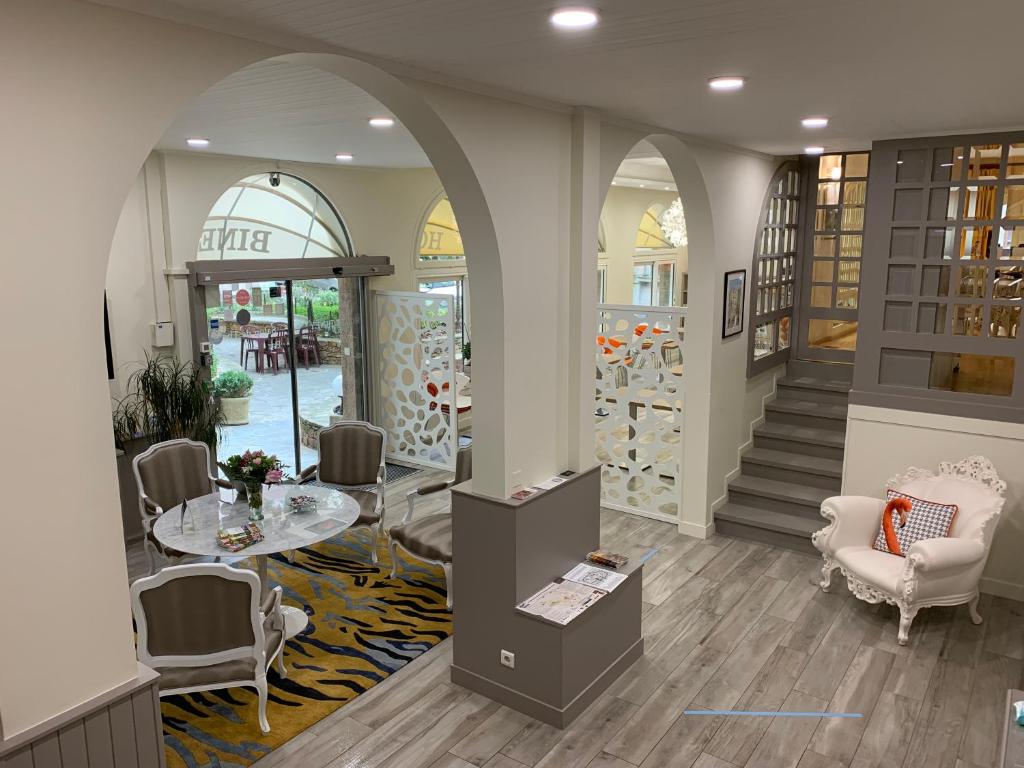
{"points": [[796, 461]]}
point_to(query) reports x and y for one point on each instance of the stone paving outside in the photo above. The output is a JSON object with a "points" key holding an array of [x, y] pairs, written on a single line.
{"points": [[270, 407]]}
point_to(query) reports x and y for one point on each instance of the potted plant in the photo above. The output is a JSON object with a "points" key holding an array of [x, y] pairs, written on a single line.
{"points": [[164, 399], [232, 389]]}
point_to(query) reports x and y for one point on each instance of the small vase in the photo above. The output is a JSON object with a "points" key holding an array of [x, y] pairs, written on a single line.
{"points": [[254, 493]]}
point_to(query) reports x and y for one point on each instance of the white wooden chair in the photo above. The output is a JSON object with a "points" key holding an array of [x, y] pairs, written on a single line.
{"points": [[941, 571], [203, 627]]}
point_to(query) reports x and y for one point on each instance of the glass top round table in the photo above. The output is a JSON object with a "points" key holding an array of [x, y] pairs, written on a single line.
{"points": [[283, 528]]}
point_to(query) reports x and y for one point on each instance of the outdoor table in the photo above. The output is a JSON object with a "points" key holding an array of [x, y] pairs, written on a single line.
{"points": [[261, 351], [282, 528]]}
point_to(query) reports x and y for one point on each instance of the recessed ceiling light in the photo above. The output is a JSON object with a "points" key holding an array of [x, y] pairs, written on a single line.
{"points": [[574, 18], [814, 150], [726, 83], [382, 122], [668, 189], [198, 143], [641, 186], [946, 165], [343, 156], [814, 122], [615, 183], [899, 162]]}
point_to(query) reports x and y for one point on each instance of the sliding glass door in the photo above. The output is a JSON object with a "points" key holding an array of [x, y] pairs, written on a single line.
{"points": [[286, 361]]}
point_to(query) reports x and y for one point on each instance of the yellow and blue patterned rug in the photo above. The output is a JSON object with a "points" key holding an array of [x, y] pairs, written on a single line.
{"points": [[363, 626]]}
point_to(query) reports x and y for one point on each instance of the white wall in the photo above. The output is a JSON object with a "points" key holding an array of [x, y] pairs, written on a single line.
{"points": [[883, 442]]}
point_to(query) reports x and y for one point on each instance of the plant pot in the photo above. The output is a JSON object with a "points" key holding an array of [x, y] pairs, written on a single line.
{"points": [[235, 410]]}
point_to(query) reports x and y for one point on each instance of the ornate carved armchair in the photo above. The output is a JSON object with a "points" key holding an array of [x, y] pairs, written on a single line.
{"points": [[942, 571]]}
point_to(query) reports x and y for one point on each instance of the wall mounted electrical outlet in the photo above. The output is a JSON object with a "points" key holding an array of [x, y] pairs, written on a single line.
{"points": [[507, 659]]}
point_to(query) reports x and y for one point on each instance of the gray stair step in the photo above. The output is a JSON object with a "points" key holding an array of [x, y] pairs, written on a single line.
{"points": [[826, 443], [807, 413], [821, 472], [778, 495], [777, 489], [841, 372], [776, 528], [822, 385], [806, 388]]}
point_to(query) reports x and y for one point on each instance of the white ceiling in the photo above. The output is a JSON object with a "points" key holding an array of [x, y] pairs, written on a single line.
{"points": [[878, 68], [287, 111]]}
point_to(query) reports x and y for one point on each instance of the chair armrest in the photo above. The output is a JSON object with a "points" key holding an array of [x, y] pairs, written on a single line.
{"points": [[307, 474], [854, 521], [220, 482], [271, 608], [150, 506], [938, 554], [421, 492]]}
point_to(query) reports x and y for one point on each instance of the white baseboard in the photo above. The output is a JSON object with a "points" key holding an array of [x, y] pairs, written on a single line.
{"points": [[1001, 588], [696, 530]]}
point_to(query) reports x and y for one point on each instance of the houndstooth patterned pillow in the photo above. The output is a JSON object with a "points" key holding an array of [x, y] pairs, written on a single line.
{"points": [[924, 520]]}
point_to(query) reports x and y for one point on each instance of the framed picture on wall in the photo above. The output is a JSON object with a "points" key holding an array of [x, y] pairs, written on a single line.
{"points": [[735, 296]]}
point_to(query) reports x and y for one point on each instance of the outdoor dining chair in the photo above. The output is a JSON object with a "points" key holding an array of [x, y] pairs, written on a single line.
{"points": [[277, 349]]}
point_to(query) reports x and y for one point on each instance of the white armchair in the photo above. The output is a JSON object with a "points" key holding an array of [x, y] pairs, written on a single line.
{"points": [[941, 571]]}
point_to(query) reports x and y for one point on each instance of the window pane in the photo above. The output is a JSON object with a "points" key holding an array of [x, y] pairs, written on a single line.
{"points": [[1005, 321], [828, 193], [851, 246], [763, 340], [832, 334], [980, 203], [821, 271], [983, 162], [1011, 242], [1008, 284], [784, 325], [1015, 162], [821, 296], [857, 166], [853, 218], [826, 219], [1013, 202], [974, 242], [971, 282], [967, 319], [849, 272], [846, 298], [643, 279], [947, 164], [938, 243], [978, 374], [854, 192], [666, 284], [825, 245], [830, 167]]}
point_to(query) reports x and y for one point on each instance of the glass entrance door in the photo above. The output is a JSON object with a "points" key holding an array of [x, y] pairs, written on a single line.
{"points": [[286, 362]]}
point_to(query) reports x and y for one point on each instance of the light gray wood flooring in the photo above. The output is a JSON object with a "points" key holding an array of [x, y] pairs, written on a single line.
{"points": [[728, 624]]}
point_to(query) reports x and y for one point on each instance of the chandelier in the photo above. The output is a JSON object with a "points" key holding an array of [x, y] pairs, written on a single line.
{"points": [[673, 223]]}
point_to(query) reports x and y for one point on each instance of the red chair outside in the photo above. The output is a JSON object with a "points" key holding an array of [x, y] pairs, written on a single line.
{"points": [[307, 345], [277, 349]]}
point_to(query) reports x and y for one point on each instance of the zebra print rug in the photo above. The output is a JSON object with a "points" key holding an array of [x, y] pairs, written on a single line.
{"points": [[363, 626]]}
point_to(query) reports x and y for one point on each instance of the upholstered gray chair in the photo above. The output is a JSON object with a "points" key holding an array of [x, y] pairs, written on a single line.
{"points": [[430, 538], [165, 474], [204, 627], [352, 458]]}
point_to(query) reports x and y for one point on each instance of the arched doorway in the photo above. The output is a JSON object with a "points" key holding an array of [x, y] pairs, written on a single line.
{"points": [[640, 324], [684, 180]]}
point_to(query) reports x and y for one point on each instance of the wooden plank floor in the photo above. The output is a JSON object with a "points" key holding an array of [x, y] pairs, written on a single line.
{"points": [[728, 624]]}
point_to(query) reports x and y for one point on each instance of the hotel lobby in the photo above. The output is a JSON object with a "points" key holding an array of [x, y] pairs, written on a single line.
{"points": [[441, 385]]}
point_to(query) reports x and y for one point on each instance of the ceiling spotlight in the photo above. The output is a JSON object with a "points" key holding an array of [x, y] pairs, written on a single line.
{"points": [[813, 150], [343, 156], [668, 189], [615, 183], [574, 18], [814, 122], [382, 122], [198, 143], [727, 83], [641, 186]]}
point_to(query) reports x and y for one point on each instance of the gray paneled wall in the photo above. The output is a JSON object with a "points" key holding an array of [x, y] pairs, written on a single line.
{"points": [[943, 277], [123, 731]]}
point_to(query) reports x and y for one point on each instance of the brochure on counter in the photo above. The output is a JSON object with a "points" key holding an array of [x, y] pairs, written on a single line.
{"points": [[552, 482], [564, 600]]}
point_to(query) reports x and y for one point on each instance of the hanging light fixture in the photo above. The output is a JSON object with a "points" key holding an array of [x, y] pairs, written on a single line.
{"points": [[673, 223]]}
